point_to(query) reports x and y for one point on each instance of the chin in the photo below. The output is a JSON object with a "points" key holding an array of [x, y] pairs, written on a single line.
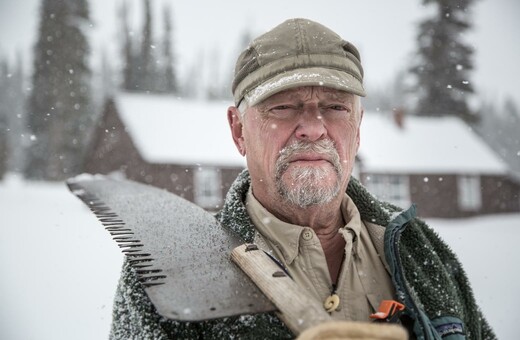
{"points": [[306, 187]]}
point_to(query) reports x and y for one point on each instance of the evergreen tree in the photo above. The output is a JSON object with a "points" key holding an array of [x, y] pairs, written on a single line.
{"points": [[146, 62], [147, 68], [167, 74], [107, 85], [4, 129], [59, 111], [129, 66], [445, 61], [12, 102], [213, 82], [498, 126]]}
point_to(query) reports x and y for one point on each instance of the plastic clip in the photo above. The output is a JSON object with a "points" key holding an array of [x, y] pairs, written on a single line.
{"points": [[388, 311]]}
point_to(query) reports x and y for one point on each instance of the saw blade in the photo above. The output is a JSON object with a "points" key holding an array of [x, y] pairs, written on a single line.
{"points": [[180, 252]]}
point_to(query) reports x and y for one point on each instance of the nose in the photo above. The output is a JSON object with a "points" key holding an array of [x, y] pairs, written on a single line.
{"points": [[311, 126]]}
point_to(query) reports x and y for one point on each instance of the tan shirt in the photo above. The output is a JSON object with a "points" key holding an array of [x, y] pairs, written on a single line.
{"points": [[363, 280]]}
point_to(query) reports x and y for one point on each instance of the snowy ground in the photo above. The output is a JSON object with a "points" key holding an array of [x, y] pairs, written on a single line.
{"points": [[59, 267]]}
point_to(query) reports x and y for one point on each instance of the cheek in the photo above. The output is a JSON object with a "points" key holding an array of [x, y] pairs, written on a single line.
{"points": [[261, 151], [267, 139], [348, 145]]}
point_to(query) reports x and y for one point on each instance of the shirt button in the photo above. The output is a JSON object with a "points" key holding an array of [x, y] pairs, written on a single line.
{"points": [[307, 235]]}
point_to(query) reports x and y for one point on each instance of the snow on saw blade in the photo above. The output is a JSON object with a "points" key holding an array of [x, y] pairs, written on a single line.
{"points": [[180, 252]]}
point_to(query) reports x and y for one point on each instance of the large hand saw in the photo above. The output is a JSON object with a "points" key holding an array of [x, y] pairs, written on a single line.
{"points": [[182, 256]]}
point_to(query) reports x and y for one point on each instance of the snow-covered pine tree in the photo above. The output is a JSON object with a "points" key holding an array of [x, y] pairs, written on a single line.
{"points": [[498, 126], [12, 99], [59, 109], [168, 84], [444, 61], [146, 59], [148, 67], [129, 60], [4, 129]]}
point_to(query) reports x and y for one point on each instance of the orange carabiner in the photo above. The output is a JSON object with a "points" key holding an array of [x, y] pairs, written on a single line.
{"points": [[388, 311]]}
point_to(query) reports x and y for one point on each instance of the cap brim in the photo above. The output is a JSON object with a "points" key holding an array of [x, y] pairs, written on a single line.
{"points": [[315, 76]]}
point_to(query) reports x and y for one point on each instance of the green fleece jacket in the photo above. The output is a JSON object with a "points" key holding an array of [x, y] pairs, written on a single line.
{"points": [[427, 275]]}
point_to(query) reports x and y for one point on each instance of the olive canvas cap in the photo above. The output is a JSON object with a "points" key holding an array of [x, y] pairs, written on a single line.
{"points": [[298, 52]]}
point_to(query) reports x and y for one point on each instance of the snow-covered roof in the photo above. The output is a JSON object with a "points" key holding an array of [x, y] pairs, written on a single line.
{"points": [[424, 145], [170, 130]]}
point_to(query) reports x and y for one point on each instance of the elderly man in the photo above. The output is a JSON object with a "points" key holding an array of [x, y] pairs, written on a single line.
{"points": [[296, 119]]}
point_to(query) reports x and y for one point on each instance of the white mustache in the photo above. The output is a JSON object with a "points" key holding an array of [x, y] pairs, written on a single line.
{"points": [[323, 147]]}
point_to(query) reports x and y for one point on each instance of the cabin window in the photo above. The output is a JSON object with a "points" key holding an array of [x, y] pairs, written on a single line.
{"points": [[469, 194], [208, 192], [391, 188]]}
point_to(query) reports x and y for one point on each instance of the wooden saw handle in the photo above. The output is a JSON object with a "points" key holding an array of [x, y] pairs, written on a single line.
{"points": [[296, 308]]}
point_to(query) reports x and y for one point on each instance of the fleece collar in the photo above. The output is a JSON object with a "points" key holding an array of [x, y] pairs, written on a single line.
{"points": [[234, 213]]}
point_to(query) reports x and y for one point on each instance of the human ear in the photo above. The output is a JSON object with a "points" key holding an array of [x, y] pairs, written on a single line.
{"points": [[235, 124], [358, 138]]}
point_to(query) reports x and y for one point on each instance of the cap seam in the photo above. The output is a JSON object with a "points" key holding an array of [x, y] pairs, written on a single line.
{"points": [[244, 67], [301, 37]]}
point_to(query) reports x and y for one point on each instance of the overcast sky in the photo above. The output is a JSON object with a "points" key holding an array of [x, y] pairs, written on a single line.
{"points": [[384, 31]]}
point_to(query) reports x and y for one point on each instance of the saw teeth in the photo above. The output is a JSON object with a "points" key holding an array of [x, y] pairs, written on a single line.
{"points": [[111, 224], [118, 229], [128, 251], [114, 228], [151, 280], [148, 271], [127, 247], [121, 233], [110, 220], [139, 255], [151, 284], [105, 215], [136, 266], [129, 241], [140, 262], [130, 247]]}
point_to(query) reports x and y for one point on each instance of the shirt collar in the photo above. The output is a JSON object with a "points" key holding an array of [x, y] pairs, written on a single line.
{"points": [[351, 214], [282, 235]]}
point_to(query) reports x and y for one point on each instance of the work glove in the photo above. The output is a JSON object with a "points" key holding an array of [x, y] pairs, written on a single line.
{"points": [[353, 330]]}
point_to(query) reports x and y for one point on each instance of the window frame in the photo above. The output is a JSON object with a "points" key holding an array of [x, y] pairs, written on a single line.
{"points": [[392, 188], [207, 185], [469, 193]]}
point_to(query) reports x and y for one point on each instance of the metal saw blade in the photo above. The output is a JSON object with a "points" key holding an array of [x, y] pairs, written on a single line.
{"points": [[180, 252]]}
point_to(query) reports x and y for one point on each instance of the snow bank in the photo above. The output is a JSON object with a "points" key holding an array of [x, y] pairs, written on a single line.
{"points": [[59, 267]]}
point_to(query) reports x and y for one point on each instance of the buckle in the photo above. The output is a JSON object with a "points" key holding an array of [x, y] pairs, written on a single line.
{"points": [[388, 311]]}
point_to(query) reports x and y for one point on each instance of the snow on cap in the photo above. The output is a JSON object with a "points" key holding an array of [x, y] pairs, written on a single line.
{"points": [[298, 52]]}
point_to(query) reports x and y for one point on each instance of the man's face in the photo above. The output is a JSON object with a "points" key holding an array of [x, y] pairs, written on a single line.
{"points": [[300, 144]]}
